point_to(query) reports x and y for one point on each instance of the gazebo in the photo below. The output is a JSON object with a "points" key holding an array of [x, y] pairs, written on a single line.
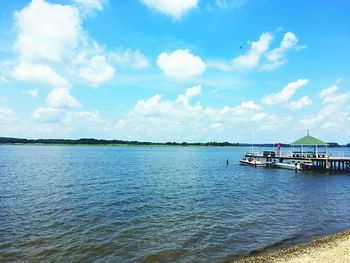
{"points": [[309, 147]]}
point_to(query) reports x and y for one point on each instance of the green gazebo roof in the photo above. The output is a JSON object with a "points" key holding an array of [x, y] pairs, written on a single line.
{"points": [[309, 140]]}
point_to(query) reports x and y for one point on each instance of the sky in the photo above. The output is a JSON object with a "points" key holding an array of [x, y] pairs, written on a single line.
{"points": [[187, 70]]}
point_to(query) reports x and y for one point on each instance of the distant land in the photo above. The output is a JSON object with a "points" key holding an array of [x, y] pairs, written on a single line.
{"points": [[92, 141]]}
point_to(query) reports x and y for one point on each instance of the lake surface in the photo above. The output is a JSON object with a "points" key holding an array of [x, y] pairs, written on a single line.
{"points": [[159, 204]]}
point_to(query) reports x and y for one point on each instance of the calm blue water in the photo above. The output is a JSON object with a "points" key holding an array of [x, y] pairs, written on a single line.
{"points": [[165, 204]]}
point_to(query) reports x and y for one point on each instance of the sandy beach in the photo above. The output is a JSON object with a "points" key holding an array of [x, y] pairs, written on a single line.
{"points": [[334, 248]]}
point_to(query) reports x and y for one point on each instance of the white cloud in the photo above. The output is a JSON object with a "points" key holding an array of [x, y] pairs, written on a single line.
{"points": [[131, 58], [39, 73], [277, 56], [6, 115], [184, 118], [259, 56], [251, 59], [181, 64], [191, 92], [91, 117], [330, 96], [50, 35], [194, 91], [47, 114], [272, 123], [285, 94], [64, 122], [32, 92], [47, 32], [61, 98], [3, 79], [328, 91], [334, 113], [250, 105], [89, 6], [217, 126], [175, 9], [301, 103], [97, 71]]}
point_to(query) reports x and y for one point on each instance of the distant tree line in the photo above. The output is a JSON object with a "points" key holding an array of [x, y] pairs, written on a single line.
{"points": [[89, 141], [92, 141]]}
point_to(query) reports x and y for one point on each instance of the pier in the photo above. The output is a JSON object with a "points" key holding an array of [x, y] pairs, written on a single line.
{"points": [[324, 163], [307, 153]]}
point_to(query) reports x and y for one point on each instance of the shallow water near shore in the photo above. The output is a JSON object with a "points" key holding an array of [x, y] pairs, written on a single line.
{"points": [[148, 204]]}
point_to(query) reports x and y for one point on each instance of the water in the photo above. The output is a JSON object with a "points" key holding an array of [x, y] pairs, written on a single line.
{"points": [[159, 204]]}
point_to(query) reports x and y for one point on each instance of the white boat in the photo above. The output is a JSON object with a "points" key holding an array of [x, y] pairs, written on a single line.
{"points": [[251, 161], [289, 165]]}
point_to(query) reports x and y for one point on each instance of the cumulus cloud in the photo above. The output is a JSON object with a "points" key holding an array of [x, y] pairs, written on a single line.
{"points": [[62, 122], [251, 59], [6, 115], [90, 6], [327, 92], [48, 50], [47, 32], [175, 9], [335, 112], [259, 56], [84, 116], [191, 92], [61, 98], [64, 117], [181, 64], [250, 105], [330, 96], [130, 58], [285, 94], [300, 103], [39, 73], [51, 46], [97, 71], [184, 117], [47, 114], [58, 43], [277, 56]]}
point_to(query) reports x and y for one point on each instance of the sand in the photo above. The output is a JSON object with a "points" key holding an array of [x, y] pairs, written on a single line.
{"points": [[334, 248]]}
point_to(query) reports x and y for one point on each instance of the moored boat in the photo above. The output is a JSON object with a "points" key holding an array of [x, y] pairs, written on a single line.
{"points": [[289, 166], [251, 161]]}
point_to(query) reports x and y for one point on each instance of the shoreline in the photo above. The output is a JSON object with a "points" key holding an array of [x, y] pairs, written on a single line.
{"points": [[138, 145], [330, 248]]}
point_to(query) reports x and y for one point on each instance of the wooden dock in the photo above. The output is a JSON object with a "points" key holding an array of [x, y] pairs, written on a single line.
{"points": [[307, 153], [321, 162]]}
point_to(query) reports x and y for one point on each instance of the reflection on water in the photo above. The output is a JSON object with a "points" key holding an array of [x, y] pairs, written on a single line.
{"points": [[127, 204]]}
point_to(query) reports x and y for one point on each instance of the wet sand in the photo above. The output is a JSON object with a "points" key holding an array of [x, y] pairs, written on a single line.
{"points": [[334, 248]]}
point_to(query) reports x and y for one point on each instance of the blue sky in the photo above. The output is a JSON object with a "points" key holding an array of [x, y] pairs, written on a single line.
{"points": [[186, 70]]}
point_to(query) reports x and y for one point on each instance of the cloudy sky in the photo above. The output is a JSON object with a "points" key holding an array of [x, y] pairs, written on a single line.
{"points": [[185, 70]]}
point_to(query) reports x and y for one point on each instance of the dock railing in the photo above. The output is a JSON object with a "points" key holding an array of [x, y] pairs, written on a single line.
{"points": [[338, 154], [294, 154]]}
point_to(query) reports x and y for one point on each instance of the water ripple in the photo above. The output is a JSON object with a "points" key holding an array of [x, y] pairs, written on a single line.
{"points": [[166, 204]]}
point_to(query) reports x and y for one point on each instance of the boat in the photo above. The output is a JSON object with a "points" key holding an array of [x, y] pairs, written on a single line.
{"points": [[251, 161], [289, 165]]}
